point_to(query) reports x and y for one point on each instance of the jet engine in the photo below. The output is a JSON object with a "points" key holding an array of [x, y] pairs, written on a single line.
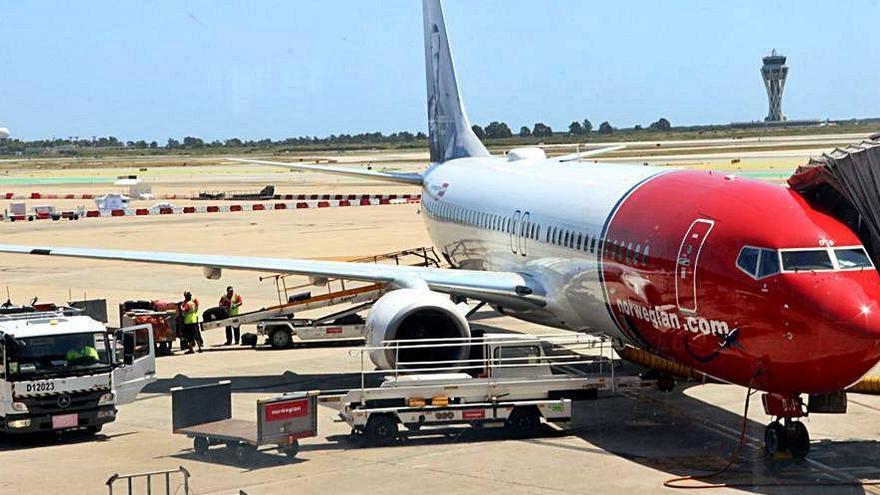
{"points": [[415, 314]]}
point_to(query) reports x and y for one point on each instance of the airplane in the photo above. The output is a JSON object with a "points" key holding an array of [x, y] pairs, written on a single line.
{"points": [[739, 279]]}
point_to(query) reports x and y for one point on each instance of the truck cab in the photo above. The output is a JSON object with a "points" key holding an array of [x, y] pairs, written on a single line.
{"points": [[62, 371], [507, 357]]}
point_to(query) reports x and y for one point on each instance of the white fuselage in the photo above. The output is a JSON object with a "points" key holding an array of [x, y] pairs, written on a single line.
{"points": [[491, 214]]}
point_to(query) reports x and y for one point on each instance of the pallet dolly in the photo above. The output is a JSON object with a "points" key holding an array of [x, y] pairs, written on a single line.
{"points": [[204, 413]]}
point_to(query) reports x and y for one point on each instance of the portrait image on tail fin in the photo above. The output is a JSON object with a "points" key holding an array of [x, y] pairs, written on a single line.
{"points": [[449, 132]]}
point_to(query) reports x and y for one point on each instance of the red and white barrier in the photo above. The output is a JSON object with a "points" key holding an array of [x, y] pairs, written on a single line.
{"points": [[223, 208], [278, 197]]}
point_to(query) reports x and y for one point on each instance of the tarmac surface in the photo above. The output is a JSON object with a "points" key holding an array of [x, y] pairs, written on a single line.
{"points": [[625, 444]]}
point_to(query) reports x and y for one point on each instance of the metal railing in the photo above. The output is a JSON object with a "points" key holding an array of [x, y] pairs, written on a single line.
{"points": [[579, 349], [167, 474]]}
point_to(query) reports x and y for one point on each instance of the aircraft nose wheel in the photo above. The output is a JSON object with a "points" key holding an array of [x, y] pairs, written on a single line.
{"points": [[774, 439], [792, 438]]}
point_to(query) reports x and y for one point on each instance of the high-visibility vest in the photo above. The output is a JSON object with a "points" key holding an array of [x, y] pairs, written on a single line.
{"points": [[87, 352], [191, 311], [232, 304]]}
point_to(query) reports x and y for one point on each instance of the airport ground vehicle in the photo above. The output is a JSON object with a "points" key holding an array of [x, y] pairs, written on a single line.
{"points": [[163, 316], [63, 371], [281, 420], [509, 380], [280, 327], [282, 332]]}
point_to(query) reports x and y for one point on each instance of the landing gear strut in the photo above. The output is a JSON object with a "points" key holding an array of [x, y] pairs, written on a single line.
{"points": [[786, 434]]}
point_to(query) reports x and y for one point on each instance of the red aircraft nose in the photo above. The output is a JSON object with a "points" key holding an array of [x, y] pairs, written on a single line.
{"points": [[841, 315], [864, 318], [850, 300], [833, 322]]}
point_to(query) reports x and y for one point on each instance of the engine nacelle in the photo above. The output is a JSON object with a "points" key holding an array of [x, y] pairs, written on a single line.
{"points": [[415, 314]]}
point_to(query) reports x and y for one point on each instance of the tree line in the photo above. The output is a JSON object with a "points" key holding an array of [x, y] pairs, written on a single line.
{"points": [[493, 130], [500, 130]]}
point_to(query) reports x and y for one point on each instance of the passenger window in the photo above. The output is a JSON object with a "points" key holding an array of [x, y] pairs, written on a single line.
{"points": [[593, 245], [852, 258], [645, 254], [812, 259], [580, 241], [747, 260], [769, 263], [565, 241]]}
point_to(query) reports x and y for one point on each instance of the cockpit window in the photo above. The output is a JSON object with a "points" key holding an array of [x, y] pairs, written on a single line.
{"points": [[808, 259], [758, 262], [852, 258], [769, 263], [748, 260]]}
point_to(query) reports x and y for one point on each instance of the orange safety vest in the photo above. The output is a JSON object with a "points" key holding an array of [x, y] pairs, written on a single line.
{"points": [[232, 305]]}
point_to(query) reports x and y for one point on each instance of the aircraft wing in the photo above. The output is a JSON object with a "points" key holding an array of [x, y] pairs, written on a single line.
{"points": [[508, 288], [399, 177], [586, 154]]}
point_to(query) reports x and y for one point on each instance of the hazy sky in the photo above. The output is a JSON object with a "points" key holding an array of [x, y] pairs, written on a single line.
{"points": [[155, 69]]}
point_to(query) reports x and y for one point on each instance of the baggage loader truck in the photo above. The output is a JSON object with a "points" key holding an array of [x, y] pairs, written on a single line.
{"points": [[509, 381], [60, 371]]}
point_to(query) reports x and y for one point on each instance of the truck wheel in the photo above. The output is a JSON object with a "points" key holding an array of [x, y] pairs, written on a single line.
{"points": [[280, 338], [522, 422], [200, 446], [244, 453], [290, 450], [381, 429]]}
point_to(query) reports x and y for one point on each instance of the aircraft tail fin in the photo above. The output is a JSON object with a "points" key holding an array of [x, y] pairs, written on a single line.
{"points": [[449, 132]]}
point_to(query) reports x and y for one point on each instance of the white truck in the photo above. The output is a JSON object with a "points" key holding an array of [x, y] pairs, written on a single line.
{"points": [[61, 371]]}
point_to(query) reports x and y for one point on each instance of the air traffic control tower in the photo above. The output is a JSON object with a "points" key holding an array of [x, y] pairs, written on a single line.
{"points": [[774, 72]]}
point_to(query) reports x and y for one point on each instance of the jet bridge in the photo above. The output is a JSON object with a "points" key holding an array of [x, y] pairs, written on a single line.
{"points": [[846, 184]]}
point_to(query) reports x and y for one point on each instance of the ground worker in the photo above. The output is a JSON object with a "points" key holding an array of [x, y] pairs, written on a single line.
{"points": [[82, 353], [231, 302], [189, 308]]}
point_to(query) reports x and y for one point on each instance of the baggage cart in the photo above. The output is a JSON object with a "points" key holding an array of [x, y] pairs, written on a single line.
{"points": [[204, 413]]}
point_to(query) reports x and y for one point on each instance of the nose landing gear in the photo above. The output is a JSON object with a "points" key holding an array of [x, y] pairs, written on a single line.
{"points": [[786, 434], [789, 436]]}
